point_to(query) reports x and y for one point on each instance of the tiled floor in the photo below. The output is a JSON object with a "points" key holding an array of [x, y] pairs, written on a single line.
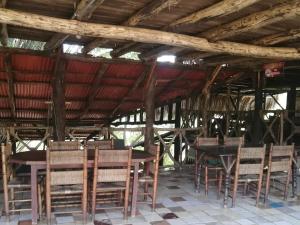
{"points": [[178, 204]]}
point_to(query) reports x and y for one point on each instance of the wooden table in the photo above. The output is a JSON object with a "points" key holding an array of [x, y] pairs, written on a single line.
{"points": [[37, 161], [226, 154]]}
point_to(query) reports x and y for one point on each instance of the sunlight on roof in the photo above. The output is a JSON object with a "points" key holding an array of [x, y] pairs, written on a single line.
{"points": [[131, 55], [26, 44], [167, 58], [101, 52], [72, 49]]}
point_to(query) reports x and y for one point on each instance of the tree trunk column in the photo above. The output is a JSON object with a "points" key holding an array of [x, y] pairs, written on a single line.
{"points": [[257, 132], [59, 110], [150, 111]]}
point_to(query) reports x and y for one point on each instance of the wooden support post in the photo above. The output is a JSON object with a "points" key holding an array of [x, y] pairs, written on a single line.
{"points": [[257, 132], [177, 146], [59, 110], [291, 107], [150, 108]]}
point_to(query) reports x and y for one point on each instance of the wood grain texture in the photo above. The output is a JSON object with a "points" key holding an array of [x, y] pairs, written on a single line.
{"points": [[142, 35]]}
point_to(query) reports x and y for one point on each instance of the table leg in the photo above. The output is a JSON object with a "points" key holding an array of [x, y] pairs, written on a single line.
{"points": [[226, 192], [294, 177], [227, 162], [34, 204], [135, 189]]}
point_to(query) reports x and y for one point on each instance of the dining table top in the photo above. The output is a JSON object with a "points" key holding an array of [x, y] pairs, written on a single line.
{"points": [[217, 150], [38, 157]]}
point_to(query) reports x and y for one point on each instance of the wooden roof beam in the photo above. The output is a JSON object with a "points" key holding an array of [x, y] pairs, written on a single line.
{"points": [[83, 12], [143, 35], [253, 21], [10, 84], [221, 8], [94, 89], [3, 33], [268, 40], [138, 82], [153, 8]]}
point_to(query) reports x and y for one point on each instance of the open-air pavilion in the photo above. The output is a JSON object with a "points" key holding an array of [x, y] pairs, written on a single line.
{"points": [[212, 84]]}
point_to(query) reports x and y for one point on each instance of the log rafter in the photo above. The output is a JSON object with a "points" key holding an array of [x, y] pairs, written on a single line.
{"points": [[143, 35], [10, 84], [222, 8], [137, 83], [94, 89], [83, 12], [4, 33], [153, 8], [253, 21]]}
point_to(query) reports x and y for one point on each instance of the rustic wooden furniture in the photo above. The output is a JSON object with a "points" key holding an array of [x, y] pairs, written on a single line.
{"points": [[279, 167], [150, 177], [16, 191], [101, 144], [212, 171], [234, 141], [227, 156], [111, 179], [249, 168], [37, 161], [66, 186]]}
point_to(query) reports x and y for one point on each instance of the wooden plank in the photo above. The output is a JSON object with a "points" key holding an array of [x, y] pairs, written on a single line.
{"points": [[59, 109], [83, 12], [150, 108], [94, 89], [138, 82], [10, 83], [3, 33], [253, 21], [142, 35], [222, 8], [153, 8]]}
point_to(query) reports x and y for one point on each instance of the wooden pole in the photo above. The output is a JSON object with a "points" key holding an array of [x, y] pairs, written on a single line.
{"points": [[59, 110], [177, 146], [142, 35], [257, 132], [150, 108]]}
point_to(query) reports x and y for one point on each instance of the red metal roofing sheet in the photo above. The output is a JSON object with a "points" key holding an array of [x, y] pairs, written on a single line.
{"points": [[41, 90], [75, 66], [31, 63]]}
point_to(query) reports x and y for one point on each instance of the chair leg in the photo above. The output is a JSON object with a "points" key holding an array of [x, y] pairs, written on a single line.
{"points": [[258, 190], [286, 188], [235, 185], [267, 189], [220, 180], [206, 180]]}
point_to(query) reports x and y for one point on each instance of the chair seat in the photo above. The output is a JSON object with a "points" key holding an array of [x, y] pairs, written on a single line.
{"points": [[279, 174], [17, 183], [67, 189], [114, 186], [144, 179], [247, 178]]}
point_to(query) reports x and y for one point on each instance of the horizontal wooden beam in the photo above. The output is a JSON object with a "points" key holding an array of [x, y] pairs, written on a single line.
{"points": [[219, 9], [142, 35], [153, 8], [83, 12], [253, 21]]}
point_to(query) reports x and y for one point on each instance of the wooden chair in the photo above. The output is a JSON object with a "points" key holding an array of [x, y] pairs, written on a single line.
{"points": [[16, 191], [101, 144], [234, 141], [63, 145], [66, 180], [279, 166], [150, 177], [111, 179], [249, 168], [213, 171]]}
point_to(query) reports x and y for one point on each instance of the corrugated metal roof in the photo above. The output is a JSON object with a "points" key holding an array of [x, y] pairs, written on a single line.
{"points": [[33, 76]]}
